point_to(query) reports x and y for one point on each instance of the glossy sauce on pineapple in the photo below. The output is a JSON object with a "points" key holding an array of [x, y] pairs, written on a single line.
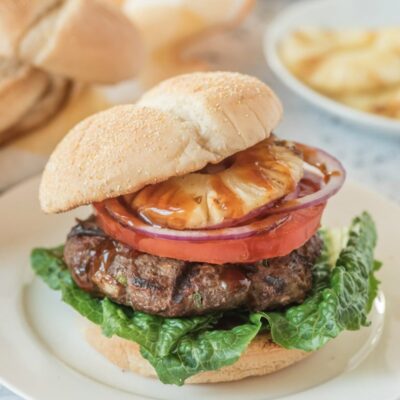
{"points": [[225, 191]]}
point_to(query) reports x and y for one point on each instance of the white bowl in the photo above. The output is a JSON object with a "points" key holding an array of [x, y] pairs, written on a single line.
{"points": [[331, 14]]}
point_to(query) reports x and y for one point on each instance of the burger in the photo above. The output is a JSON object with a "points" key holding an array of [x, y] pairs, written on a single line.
{"points": [[203, 259]]}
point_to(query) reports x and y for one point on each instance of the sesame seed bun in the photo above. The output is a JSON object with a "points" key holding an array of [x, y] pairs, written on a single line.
{"points": [[176, 128], [262, 357]]}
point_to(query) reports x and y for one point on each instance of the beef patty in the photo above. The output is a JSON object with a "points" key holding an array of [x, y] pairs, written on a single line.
{"points": [[171, 288]]}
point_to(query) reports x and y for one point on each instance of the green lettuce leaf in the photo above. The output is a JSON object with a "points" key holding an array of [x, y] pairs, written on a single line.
{"points": [[204, 351], [344, 287], [373, 285], [157, 334], [49, 265], [342, 303]]}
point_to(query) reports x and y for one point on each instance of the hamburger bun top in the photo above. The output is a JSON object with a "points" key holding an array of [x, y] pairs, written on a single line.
{"points": [[178, 127]]}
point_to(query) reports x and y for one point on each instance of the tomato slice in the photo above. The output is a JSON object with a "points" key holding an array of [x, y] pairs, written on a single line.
{"points": [[292, 234]]}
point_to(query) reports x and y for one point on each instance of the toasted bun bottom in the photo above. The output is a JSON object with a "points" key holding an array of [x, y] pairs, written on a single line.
{"points": [[262, 357]]}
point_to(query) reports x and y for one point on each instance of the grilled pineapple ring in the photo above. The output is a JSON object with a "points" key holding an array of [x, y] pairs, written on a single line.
{"points": [[218, 193]]}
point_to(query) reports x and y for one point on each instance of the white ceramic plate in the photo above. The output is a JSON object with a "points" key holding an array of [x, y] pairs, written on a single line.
{"points": [[331, 14], [44, 356]]}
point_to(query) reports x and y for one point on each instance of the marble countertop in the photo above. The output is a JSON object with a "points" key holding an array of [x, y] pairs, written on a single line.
{"points": [[371, 158]]}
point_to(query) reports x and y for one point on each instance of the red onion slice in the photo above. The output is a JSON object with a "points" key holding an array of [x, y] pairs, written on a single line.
{"points": [[331, 178], [120, 213], [320, 186], [324, 175], [301, 190]]}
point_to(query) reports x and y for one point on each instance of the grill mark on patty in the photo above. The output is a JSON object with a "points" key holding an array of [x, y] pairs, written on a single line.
{"points": [[182, 281], [144, 283], [277, 282], [172, 288]]}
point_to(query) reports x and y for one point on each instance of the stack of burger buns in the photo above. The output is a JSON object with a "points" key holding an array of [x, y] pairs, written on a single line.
{"points": [[47, 47]]}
